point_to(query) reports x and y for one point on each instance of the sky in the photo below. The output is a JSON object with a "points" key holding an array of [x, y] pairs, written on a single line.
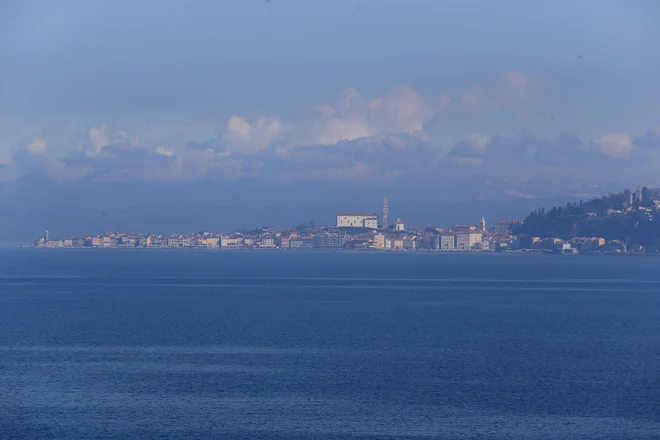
{"points": [[214, 114]]}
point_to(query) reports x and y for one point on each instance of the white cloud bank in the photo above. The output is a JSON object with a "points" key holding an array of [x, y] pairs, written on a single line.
{"points": [[249, 137], [616, 145], [358, 138], [401, 110]]}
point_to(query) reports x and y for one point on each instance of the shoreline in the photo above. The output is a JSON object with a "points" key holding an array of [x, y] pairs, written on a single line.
{"points": [[389, 251]]}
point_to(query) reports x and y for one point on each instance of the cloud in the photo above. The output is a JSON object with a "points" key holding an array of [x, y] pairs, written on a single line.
{"points": [[102, 137], [36, 147], [164, 151], [650, 139], [97, 141], [513, 88], [483, 165], [401, 110], [616, 145], [471, 151], [357, 139], [478, 141], [34, 159], [249, 137]]}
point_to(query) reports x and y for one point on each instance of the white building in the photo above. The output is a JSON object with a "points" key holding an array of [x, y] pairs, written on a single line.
{"points": [[357, 220], [267, 242], [230, 241], [371, 222], [465, 241], [379, 241], [399, 225], [210, 242], [447, 242], [174, 241]]}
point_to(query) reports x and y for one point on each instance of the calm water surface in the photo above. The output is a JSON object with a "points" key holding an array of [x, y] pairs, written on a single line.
{"points": [[279, 345]]}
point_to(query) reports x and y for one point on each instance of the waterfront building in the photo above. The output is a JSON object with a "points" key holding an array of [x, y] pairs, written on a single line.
{"points": [[399, 225], [410, 242], [447, 242], [301, 243], [379, 241], [284, 241], [210, 242], [466, 241], [328, 241], [267, 242], [231, 241]]}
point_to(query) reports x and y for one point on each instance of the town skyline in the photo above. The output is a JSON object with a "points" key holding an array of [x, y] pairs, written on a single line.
{"points": [[608, 220]]}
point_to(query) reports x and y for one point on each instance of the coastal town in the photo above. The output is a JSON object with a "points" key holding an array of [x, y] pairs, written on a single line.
{"points": [[369, 231]]}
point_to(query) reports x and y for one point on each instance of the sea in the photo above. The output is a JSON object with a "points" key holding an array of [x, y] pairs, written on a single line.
{"points": [[166, 344]]}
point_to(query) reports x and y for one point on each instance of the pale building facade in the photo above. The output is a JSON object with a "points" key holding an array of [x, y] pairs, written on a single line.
{"points": [[371, 222], [379, 241], [229, 241], [447, 242], [465, 241], [357, 220]]}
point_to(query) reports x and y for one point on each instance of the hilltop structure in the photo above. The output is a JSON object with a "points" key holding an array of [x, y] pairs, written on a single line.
{"points": [[357, 220]]}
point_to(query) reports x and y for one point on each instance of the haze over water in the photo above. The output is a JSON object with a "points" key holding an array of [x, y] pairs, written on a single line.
{"points": [[270, 345]]}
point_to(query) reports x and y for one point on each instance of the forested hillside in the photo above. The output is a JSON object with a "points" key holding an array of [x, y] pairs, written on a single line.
{"points": [[624, 216]]}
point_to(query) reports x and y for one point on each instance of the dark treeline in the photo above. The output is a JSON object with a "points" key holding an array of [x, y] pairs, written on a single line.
{"points": [[620, 216]]}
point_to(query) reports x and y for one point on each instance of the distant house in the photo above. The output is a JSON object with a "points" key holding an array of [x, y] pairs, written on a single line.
{"points": [[267, 242]]}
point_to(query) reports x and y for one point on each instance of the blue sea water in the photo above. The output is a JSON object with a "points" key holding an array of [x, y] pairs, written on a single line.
{"points": [[293, 345]]}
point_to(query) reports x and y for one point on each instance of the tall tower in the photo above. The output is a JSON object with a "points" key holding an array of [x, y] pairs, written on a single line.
{"points": [[483, 224], [46, 235], [386, 211]]}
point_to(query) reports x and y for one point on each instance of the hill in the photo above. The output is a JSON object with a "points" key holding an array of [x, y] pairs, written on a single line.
{"points": [[633, 218]]}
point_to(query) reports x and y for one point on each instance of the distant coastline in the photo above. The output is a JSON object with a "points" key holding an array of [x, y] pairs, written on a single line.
{"points": [[330, 250], [617, 224]]}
